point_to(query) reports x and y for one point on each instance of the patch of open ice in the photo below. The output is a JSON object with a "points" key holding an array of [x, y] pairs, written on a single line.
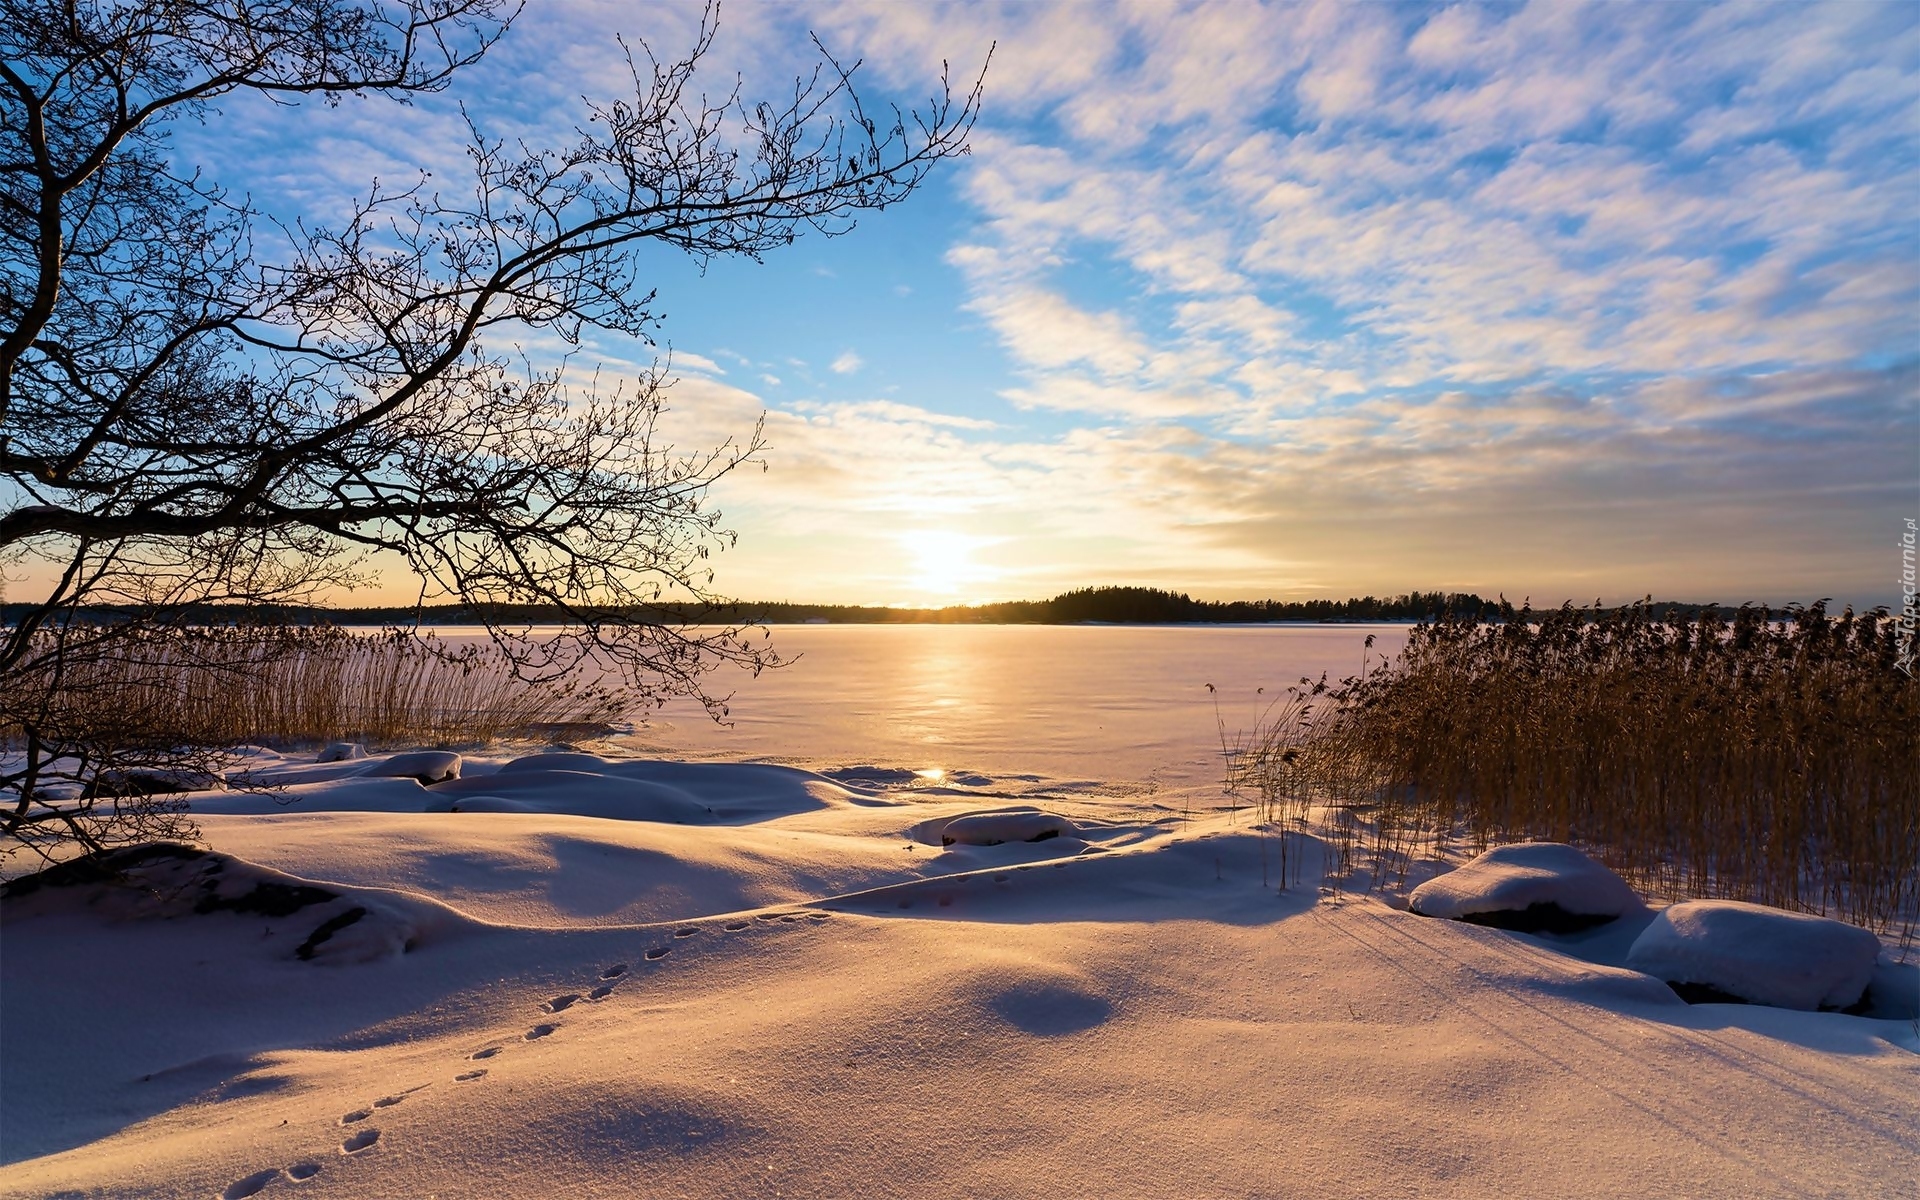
{"points": [[1758, 954], [1528, 886]]}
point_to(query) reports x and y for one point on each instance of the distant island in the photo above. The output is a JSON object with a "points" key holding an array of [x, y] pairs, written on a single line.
{"points": [[1093, 605]]}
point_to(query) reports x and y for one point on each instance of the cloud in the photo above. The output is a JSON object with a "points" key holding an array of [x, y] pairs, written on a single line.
{"points": [[1353, 297]]}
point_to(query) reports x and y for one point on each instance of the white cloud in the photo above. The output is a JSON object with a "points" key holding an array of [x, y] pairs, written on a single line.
{"points": [[1369, 296]]}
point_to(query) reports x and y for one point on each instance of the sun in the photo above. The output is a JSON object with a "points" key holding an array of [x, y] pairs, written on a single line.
{"points": [[943, 562]]}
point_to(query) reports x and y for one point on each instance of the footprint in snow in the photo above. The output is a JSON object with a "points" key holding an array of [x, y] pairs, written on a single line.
{"points": [[769, 916], [470, 1076], [301, 1172], [657, 953], [356, 1116], [489, 1052], [560, 1003], [538, 1032], [249, 1186], [360, 1141], [390, 1101], [736, 926], [614, 972], [687, 932], [601, 992]]}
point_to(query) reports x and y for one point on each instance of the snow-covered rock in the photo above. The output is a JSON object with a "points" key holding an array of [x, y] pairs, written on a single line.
{"points": [[1758, 954], [167, 881], [157, 780], [1528, 886], [341, 752], [1008, 825], [428, 766]]}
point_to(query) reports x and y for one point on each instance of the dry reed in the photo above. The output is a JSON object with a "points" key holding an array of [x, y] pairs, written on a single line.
{"points": [[298, 686], [1755, 758]]}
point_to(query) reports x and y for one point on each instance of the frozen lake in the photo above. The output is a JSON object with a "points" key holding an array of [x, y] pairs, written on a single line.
{"points": [[1125, 706]]}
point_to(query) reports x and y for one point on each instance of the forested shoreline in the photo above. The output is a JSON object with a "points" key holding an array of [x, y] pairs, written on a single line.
{"points": [[1093, 605]]}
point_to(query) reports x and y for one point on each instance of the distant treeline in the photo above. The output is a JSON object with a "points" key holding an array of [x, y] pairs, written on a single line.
{"points": [[1108, 605]]}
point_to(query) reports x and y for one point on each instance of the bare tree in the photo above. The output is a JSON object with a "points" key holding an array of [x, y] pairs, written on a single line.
{"points": [[200, 404]]}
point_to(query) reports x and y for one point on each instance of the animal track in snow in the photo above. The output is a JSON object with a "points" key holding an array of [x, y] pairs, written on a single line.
{"points": [[357, 1115], [489, 1052], [560, 1003], [360, 1141], [657, 953], [614, 972], [249, 1186], [390, 1101], [538, 1032], [470, 1076], [301, 1172]]}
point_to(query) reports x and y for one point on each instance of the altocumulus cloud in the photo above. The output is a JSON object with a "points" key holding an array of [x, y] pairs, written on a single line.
{"points": [[1556, 298], [1562, 297]]}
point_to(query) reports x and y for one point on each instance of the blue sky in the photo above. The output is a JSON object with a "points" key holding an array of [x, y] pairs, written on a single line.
{"points": [[1557, 300]]}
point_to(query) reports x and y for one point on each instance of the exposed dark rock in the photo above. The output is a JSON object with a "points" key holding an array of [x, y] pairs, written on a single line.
{"points": [[1538, 918], [266, 899], [327, 930], [100, 867]]}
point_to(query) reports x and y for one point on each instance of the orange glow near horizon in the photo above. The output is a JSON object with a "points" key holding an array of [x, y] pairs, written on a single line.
{"points": [[943, 562]]}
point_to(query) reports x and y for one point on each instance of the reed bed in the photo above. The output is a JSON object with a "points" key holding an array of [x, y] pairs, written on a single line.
{"points": [[301, 686], [1753, 756]]}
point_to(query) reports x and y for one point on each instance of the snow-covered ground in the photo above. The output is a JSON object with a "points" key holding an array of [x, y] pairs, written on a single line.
{"points": [[780, 983]]}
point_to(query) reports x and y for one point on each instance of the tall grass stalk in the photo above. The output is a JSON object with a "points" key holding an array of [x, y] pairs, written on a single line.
{"points": [[295, 686], [1759, 758]]}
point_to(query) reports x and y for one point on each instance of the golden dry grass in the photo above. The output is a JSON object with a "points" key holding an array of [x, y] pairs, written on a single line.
{"points": [[294, 686], [1763, 759]]}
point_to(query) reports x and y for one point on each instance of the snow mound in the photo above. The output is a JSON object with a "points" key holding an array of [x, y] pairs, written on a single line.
{"points": [[340, 752], [1725, 949], [1530, 887], [997, 827], [571, 793], [167, 881], [428, 766], [558, 760]]}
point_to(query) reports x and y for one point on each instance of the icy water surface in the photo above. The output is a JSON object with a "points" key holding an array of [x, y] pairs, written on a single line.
{"points": [[1125, 707]]}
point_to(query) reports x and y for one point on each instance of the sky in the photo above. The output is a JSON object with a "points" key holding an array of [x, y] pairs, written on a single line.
{"points": [[1242, 300]]}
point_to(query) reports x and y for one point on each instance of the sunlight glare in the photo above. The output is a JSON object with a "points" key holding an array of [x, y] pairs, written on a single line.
{"points": [[943, 560]]}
